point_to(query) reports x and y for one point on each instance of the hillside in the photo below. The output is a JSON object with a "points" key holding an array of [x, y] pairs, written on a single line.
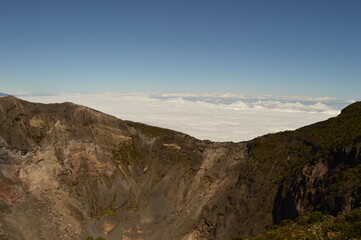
{"points": [[314, 225], [70, 172]]}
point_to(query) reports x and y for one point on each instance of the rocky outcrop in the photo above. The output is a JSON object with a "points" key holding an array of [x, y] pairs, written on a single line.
{"points": [[69, 172], [331, 185]]}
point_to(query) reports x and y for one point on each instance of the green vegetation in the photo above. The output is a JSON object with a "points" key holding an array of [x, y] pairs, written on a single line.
{"points": [[126, 154], [314, 226], [312, 142]]}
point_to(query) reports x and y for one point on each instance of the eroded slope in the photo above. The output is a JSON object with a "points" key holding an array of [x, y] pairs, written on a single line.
{"points": [[69, 172]]}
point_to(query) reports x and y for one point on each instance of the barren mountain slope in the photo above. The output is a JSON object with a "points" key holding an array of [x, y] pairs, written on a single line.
{"points": [[69, 172]]}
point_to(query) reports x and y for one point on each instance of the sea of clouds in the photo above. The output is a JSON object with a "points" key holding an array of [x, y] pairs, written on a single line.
{"points": [[222, 117]]}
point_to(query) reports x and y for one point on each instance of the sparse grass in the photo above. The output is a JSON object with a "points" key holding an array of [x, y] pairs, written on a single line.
{"points": [[207, 179], [38, 138], [149, 130], [126, 154], [158, 177], [110, 210]]}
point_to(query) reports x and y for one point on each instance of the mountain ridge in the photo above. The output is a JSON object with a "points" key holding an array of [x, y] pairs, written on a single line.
{"points": [[67, 164]]}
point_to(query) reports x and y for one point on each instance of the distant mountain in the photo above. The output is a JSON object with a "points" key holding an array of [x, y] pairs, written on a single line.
{"points": [[70, 172], [3, 94]]}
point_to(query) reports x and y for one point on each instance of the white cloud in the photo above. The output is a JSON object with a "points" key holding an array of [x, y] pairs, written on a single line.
{"points": [[225, 117]]}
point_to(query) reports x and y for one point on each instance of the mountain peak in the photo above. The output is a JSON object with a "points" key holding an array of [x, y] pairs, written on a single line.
{"points": [[354, 107]]}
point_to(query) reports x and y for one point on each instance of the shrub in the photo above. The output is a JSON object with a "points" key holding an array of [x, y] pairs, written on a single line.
{"points": [[302, 220], [286, 222], [316, 217], [354, 215], [354, 230]]}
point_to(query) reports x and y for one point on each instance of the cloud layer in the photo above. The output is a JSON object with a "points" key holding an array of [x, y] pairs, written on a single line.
{"points": [[224, 117]]}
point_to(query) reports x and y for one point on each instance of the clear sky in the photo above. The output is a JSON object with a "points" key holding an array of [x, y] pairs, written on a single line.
{"points": [[305, 48]]}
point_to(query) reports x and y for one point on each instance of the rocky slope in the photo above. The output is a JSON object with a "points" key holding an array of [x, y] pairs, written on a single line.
{"points": [[69, 172]]}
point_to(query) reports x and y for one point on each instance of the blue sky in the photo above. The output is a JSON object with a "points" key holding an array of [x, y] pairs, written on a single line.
{"points": [[304, 48]]}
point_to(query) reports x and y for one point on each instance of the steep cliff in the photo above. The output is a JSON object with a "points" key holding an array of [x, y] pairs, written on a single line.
{"points": [[69, 172]]}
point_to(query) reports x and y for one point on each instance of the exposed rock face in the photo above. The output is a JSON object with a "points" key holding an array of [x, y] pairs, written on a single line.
{"points": [[68, 172]]}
